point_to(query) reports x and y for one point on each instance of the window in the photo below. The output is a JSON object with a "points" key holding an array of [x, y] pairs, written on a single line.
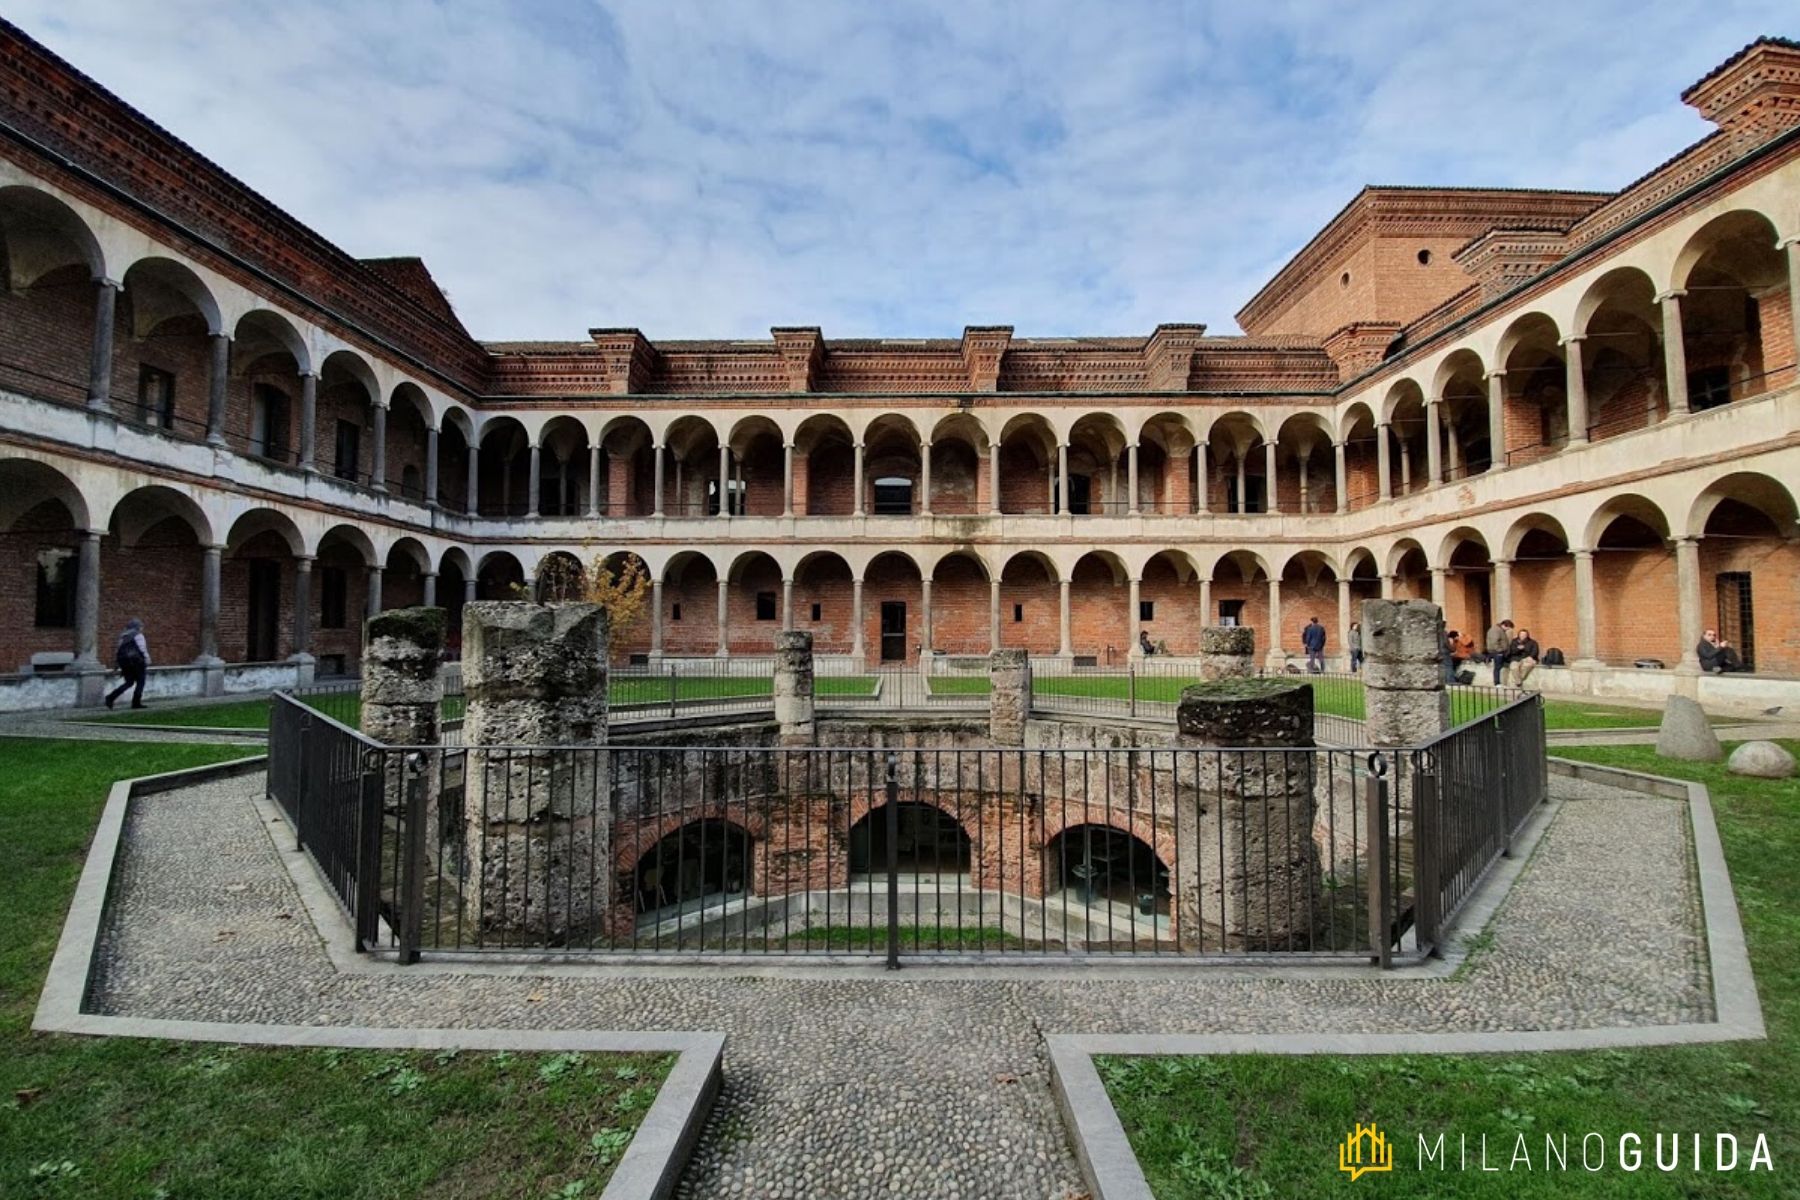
{"points": [[675, 611], [1231, 612], [1081, 494], [156, 397], [765, 606], [1018, 614], [349, 446], [269, 422], [734, 497], [56, 569], [410, 484], [893, 496], [1709, 388], [1146, 610], [334, 598], [817, 610]]}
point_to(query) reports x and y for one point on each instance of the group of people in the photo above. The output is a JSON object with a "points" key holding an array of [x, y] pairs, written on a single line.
{"points": [[1511, 651]]}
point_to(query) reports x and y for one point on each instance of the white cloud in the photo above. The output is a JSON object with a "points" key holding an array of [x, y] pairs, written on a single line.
{"points": [[902, 169]]}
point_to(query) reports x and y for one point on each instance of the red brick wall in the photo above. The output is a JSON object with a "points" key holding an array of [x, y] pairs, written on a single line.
{"points": [[1634, 606], [234, 597], [158, 581], [1177, 617], [890, 578], [1543, 594], [956, 483], [959, 608], [1026, 584], [1774, 567], [1099, 612], [46, 333], [43, 527]]}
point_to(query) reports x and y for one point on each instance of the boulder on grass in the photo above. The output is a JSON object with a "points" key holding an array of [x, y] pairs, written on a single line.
{"points": [[1686, 734], [1761, 760]]}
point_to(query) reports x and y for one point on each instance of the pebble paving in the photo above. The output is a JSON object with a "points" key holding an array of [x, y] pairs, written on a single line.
{"points": [[865, 1084]]}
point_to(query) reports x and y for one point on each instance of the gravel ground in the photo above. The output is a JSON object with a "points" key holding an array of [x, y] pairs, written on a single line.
{"points": [[867, 1084]]}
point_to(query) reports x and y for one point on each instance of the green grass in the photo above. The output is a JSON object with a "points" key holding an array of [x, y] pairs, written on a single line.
{"points": [[1268, 1125], [130, 1118], [252, 714], [640, 690]]}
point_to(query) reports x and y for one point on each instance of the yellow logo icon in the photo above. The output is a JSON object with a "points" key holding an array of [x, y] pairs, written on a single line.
{"points": [[1365, 1149]]}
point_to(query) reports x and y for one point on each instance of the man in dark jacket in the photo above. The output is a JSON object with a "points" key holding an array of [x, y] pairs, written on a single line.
{"points": [[1523, 657], [1499, 645], [1717, 656], [1312, 639]]}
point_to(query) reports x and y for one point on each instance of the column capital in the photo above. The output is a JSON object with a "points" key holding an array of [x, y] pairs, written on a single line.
{"points": [[1581, 553], [1384, 423], [108, 282], [1433, 400], [1501, 562], [1671, 294], [1792, 239], [1573, 339], [1685, 539], [1496, 373], [303, 561]]}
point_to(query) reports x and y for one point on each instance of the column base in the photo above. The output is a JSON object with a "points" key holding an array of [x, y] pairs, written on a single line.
{"points": [[217, 441], [304, 668], [1586, 664], [212, 680], [90, 687]]}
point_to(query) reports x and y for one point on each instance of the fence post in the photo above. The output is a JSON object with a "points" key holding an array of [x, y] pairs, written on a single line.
{"points": [[674, 689], [412, 871], [1375, 807], [303, 770], [893, 861], [1500, 773], [1427, 886], [368, 850], [1131, 687]]}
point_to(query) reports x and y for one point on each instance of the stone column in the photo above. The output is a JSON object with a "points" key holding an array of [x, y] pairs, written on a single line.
{"points": [[1009, 687], [106, 296], [1575, 387], [1404, 701], [1064, 620], [1305, 464], [857, 478], [858, 647], [787, 479], [1245, 839], [794, 688], [1452, 451], [656, 618], [1277, 654], [303, 565], [1201, 499], [1687, 597], [87, 602], [1674, 352], [925, 636], [1496, 381], [994, 479], [924, 479], [787, 604], [724, 618], [403, 651], [1243, 484], [1136, 624], [656, 452], [1503, 604], [211, 560], [1206, 607], [1439, 576], [309, 420], [534, 480], [1405, 467], [472, 506], [470, 586], [1272, 487], [994, 614], [428, 589], [378, 455], [1341, 467], [1434, 441], [1062, 479], [1227, 652], [1792, 246], [373, 587], [539, 825], [1344, 617], [431, 468], [593, 506], [1384, 471], [217, 380], [1585, 642], [1389, 585], [1131, 479]]}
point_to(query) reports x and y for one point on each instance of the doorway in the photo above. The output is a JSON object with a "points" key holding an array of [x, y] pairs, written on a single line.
{"points": [[893, 631], [265, 610]]}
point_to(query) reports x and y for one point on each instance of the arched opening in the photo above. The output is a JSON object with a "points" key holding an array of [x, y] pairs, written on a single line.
{"points": [[1633, 565], [1362, 466], [505, 468], [500, 577], [151, 567], [561, 578], [1308, 590], [1166, 465], [631, 634], [41, 514], [701, 865], [1099, 620], [1621, 354], [51, 262], [1365, 584], [690, 606], [408, 443], [824, 467], [455, 441], [1736, 331], [894, 618], [1409, 451], [340, 599], [824, 592], [268, 356], [1468, 585], [891, 467], [692, 473], [759, 468], [1169, 613], [454, 572], [346, 404], [257, 581], [1237, 476], [929, 842], [1097, 477], [1099, 867], [1542, 580], [1750, 570], [563, 468], [959, 450], [1240, 592], [1027, 465], [1536, 413], [1030, 604], [162, 348], [1305, 465], [960, 599], [1468, 435], [628, 475], [1411, 571], [403, 575], [756, 601]]}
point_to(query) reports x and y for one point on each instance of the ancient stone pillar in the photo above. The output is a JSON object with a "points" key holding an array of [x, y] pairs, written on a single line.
{"points": [[794, 688], [402, 693], [1009, 701], [1404, 701], [538, 821], [1227, 651], [1245, 829]]}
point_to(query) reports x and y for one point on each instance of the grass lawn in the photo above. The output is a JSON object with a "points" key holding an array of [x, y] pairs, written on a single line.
{"points": [[1261, 1125], [252, 714], [126, 1118], [641, 690]]}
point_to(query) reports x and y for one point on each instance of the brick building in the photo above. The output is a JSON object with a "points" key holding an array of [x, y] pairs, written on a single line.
{"points": [[1577, 409]]}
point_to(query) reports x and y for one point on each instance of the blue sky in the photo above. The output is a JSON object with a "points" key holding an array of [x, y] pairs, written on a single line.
{"points": [[885, 168]]}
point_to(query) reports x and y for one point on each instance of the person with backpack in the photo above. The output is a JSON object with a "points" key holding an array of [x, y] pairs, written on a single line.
{"points": [[133, 659]]}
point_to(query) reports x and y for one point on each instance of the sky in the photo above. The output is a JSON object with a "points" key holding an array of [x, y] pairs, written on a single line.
{"points": [[886, 168]]}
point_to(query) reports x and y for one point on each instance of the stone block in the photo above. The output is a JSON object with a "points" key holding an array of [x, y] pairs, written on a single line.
{"points": [[1227, 652], [1404, 717], [1403, 675], [1009, 696], [1761, 760], [1686, 734], [1403, 631], [1247, 712], [794, 702]]}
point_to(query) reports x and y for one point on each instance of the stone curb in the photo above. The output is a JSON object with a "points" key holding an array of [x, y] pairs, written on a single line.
{"points": [[1098, 1137], [652, 1163], [260, 735]]}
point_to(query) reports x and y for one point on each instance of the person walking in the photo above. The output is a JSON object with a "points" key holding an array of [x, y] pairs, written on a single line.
{"points": [[1450, 661], [1499, 645], [133, 659], [1312, 639], [1356, 651]]}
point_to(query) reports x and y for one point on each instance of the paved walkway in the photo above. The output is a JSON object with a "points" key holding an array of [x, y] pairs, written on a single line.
{"points": [[855, 1083]]}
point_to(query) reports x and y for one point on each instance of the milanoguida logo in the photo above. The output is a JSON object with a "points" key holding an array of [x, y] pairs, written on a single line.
{"points": [[1366, 1150]]}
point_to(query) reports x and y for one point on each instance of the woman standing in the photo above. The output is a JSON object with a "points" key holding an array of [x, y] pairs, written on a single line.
{"points": [[1355, 640], [133, 657]]}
